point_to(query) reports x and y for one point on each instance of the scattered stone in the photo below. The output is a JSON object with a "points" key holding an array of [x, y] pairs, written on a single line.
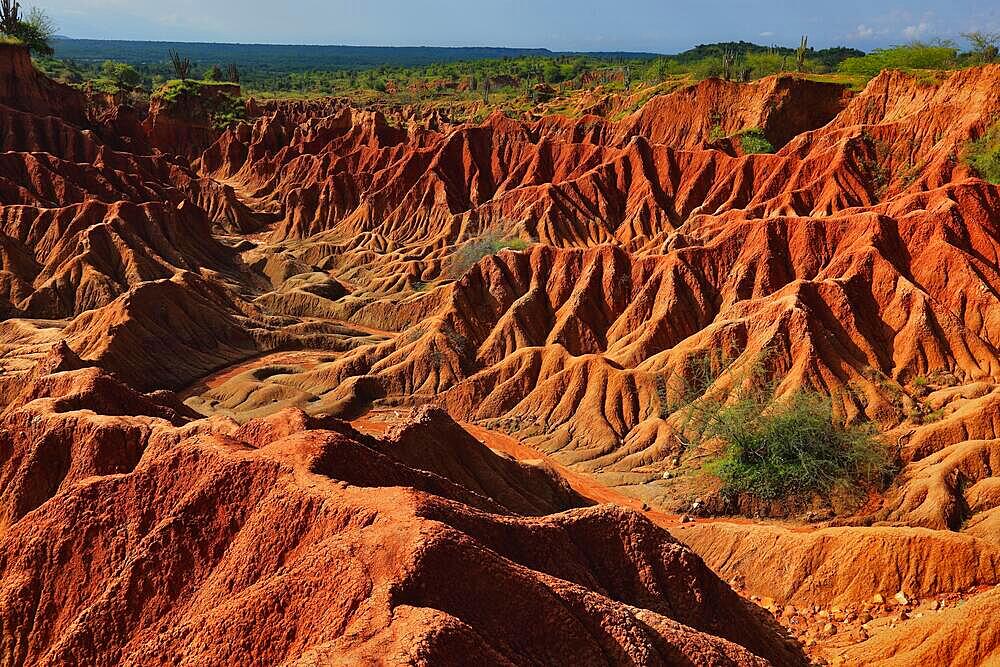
{"points": [[900, 597]]}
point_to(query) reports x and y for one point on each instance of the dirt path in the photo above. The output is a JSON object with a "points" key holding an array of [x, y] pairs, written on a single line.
{"points": [[304, 358], [582, 484]]}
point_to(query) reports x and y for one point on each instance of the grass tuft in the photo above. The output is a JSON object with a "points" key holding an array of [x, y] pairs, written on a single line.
{"points": [[983, 155], [474, 250]]}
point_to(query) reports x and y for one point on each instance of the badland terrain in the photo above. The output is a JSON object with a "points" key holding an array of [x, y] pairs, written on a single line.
{"points": [[708, 374]]}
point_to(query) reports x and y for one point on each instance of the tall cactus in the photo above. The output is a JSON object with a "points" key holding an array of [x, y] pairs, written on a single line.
{"points": [[10, 16], [182, 66], [732, 69], [728, 64], [800, 54], [233, 73]]}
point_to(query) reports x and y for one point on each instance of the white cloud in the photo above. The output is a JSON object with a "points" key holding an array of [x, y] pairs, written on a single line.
{"points": [[918, 30], [863, 32], [767, 33]]}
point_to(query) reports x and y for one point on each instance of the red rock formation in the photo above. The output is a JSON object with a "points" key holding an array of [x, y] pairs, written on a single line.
{"points": [[316, 261], [24, 88], [185, 541], [84, 256], [183, 125]]}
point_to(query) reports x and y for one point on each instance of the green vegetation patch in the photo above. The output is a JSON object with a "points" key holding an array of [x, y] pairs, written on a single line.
{"points": [[983, 155], [754, 141], [206, 97], [176, 88], [228, 112], [792, 448], [909, 57], [471, 252]]}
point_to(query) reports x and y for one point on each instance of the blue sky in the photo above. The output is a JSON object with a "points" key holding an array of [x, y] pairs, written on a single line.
{"points": [[591, 25]]}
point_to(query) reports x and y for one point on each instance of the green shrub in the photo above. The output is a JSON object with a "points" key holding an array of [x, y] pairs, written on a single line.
{"points": [[35, 30], [221, 110], [213, 73], [754, 141], [123, 75], [471, 252], [176, 88], [983, 155], [228, 112], [792, 449], [911, 56]]}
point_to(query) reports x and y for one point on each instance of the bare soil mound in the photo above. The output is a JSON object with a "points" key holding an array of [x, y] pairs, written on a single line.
{"points": [[217, 544]]}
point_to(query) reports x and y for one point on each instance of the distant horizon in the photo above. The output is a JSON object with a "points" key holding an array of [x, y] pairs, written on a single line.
{"points": [[466, 47], [591, 26], [540, 49]]}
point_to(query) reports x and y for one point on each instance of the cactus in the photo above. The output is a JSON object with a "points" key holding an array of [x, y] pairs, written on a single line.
{"points": [[800, 54], [730, 61], [10, 16], [182, 66], [233, 73]]}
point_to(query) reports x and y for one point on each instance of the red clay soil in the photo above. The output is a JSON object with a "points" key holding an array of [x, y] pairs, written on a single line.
{"points": [[322, 260], [209, 543], [860, 283]]}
